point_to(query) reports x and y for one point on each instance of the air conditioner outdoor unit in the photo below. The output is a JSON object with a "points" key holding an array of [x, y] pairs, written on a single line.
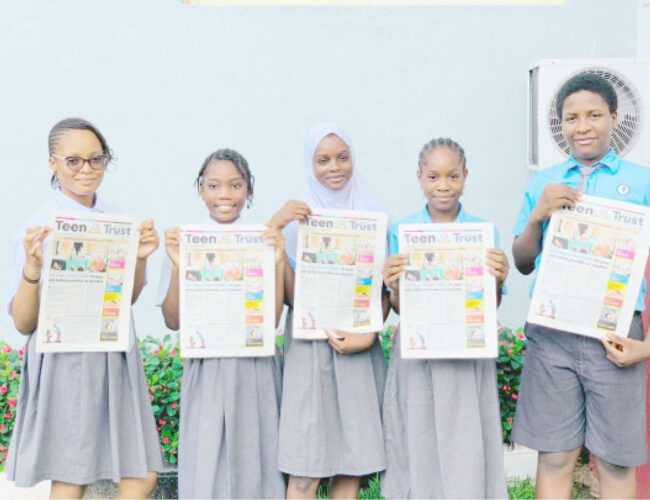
{"points": [[630, 78]]}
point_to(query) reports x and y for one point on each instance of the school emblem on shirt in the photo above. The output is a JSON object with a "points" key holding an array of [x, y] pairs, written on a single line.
{"points": [[623, 189]]}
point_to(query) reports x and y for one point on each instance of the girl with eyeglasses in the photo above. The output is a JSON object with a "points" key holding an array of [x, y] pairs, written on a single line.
{"points": [[81, 416]]}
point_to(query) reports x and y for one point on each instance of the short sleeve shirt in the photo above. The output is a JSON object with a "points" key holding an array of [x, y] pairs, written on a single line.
{"points": [[423, 217], [616, 179]]}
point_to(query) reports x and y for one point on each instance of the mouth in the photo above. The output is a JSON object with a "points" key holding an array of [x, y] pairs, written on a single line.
{"points": [[224, 209], [336, 179], [585, 141]]}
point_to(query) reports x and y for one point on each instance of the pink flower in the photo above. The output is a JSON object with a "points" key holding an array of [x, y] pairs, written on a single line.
{"points": [[3, 389], [4, 455], [509, 420], [509, 351], [173, 351], [13, 374], [157, 351], [7, 416], [21, 351], [515, 397], [150, 397], [174, 405], [3, 427], [281, 352], [12, 402], [162, 422], [3, 448], [166, 440], [392, 337], [7, 349], [521, 336], [505, 387]]}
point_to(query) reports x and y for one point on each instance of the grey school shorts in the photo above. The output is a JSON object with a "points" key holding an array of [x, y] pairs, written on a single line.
{"points": [[571, 395]]}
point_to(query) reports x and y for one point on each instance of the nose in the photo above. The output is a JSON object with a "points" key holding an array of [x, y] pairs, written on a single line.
{"points": [[224, 193], [85, 166], [583, 124], [442, 185]]}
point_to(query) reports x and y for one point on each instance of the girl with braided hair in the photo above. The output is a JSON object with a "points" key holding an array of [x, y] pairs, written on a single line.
{"points": [[228, 431], [442, 424], [81, 416]]}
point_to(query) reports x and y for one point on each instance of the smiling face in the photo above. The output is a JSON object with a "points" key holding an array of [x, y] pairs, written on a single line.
{"points": [[80, 185], [332, 162], [587, 124], [442, 178], [224, 191]]}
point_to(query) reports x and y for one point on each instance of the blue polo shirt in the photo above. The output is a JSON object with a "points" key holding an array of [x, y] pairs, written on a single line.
{"points": [[616, 179], [423, 217]]}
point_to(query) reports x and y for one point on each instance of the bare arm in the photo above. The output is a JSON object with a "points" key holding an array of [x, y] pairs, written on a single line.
{"points": [[290, 211], [170, 306], [273, 237], [26, 301], [147, 245], [391, 272], [527, 246]]}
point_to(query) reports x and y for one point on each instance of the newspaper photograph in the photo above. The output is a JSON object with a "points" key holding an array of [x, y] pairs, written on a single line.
{"points": [[227, 292], [88, 271], [447, 294], [338, 273], [592, 267]]}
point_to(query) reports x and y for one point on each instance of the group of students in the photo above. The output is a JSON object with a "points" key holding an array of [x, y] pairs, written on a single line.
{"points": [[331, 409]]}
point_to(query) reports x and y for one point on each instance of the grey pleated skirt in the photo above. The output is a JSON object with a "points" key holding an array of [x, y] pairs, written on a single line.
{"points": [[330, 422], [228, 441], [82, 417], [442, 429]]}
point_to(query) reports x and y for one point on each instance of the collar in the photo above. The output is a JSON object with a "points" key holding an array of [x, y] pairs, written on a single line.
{"points": [[67, 203], [426, 217], [610, 160]]}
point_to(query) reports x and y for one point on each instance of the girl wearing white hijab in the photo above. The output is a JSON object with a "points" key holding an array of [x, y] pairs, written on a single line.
{"points": [[330, 421]]}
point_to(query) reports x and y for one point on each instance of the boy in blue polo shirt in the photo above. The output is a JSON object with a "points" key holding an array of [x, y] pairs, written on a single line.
{"points": [[577, 391]]}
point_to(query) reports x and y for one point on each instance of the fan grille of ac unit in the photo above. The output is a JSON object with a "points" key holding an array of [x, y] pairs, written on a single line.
{"points": [[628, 128]]}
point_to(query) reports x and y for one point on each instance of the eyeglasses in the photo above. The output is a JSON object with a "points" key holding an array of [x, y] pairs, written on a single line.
{"points": [[76, 163]]}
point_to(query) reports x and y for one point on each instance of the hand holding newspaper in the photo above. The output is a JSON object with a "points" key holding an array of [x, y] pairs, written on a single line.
{"points": [[227, 292], [447, 295], [338, 273], [592, 267], [88, 283]]}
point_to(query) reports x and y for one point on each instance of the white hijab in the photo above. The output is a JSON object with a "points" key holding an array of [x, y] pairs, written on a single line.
{"points": [[356, 194]]}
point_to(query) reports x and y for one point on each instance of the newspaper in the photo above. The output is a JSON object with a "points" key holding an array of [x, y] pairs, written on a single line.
{"points": [[227, 292], [447, 295], [338, 273], [592, 267], [88, 270]]}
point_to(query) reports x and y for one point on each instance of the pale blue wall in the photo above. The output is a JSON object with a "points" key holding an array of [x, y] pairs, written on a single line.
{"points": [[168, 83]]}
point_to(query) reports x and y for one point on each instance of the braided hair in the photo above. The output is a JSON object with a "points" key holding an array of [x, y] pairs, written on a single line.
{"points": [[240, 164], [67, 124], [442, 142]]}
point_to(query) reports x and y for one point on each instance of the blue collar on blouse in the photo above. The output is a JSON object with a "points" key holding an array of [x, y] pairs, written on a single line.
{"points": [[425, 217], [610, 160]]}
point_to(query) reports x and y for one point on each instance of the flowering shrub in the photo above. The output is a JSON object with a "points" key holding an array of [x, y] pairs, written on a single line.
{"points": [[10, 365], [512, 347], [386, 341], [163, 369]]}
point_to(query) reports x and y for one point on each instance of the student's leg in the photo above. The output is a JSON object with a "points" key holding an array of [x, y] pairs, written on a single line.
{"points": [[555, 473], [345, 487], [137, 487], [66, 490], [302, 487], [615, 481]]}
